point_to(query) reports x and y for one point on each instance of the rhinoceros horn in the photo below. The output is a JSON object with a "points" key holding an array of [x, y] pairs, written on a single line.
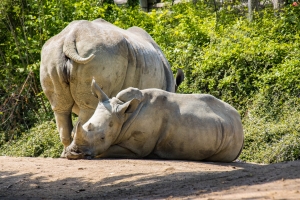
{"points": [[70, 51], [96, 90]]}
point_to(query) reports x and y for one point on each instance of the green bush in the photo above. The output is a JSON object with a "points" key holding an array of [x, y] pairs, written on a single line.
{"points": [[42, 140], [270, 139], [246, 57]]}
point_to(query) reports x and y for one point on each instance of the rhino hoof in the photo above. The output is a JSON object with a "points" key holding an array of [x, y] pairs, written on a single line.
{"points": [[63, 154]]}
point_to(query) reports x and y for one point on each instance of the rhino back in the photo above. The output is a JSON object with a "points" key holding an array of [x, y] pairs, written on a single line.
{"points": [[165, 64]]}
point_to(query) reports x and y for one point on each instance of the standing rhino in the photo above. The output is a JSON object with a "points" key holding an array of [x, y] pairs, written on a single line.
{"points": [[157, 124], [117, 59]]}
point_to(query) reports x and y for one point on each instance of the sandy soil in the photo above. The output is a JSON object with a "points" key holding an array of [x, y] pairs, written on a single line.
{"points": [[47, 178]]}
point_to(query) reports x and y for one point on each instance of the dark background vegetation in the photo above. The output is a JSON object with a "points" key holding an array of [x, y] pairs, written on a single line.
{"points": [[252, 64]]}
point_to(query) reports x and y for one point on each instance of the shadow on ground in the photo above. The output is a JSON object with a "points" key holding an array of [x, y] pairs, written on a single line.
{"points": [[145, 185]]}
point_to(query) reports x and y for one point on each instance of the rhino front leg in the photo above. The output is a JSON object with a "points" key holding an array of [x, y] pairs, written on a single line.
{"points": [[64, 127], [117, 151]]}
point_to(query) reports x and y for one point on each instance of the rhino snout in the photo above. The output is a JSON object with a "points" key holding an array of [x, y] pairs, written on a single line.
{"points": [[74, 153]]}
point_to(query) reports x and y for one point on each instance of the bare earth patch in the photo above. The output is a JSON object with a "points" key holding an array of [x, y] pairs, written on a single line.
{"points": [[47, 178]]}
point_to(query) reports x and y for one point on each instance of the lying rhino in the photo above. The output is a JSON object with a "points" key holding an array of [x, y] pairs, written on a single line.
{"points": [[157, 124], [117, 58]]}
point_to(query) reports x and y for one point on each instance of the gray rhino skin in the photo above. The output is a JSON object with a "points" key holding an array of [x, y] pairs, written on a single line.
{"points": [[116, 58], [153, 123]]}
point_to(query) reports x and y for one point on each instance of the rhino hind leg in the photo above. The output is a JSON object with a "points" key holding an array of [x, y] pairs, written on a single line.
{"points": [[117, 151], [228, 154]]}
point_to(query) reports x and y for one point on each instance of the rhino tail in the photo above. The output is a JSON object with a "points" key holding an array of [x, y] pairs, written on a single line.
{"points": [[70, 50], [179, 78]]}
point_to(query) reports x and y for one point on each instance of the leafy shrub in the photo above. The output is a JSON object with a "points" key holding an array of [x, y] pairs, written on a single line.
{"points": [[269, 139], [42, 140], [245, 57]]}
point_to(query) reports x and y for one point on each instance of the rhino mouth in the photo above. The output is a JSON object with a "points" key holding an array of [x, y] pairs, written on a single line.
{"points": [[75, 153]]}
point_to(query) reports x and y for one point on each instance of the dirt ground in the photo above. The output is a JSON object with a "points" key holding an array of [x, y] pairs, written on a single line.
{"points": [[48, 178]]}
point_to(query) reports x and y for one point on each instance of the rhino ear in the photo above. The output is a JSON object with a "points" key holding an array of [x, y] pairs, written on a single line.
{"points": [[128, 107], [97, 92]]}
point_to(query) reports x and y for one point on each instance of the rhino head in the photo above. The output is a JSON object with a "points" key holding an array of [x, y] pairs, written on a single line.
{"points": [[102, 129]]}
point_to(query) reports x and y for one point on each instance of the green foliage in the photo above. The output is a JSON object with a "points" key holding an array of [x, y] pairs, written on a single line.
{"points": [[41, 140], [272, 140], [253, 66], [245, 57]]}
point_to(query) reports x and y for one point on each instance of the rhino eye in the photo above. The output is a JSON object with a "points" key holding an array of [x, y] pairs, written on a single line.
{"points": [[111, 124], [90, 127]]}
